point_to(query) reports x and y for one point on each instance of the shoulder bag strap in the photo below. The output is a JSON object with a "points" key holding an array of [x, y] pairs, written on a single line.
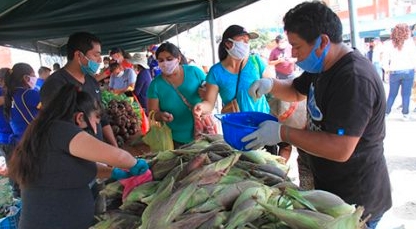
{"points": [[238, 79], [182, 96]]}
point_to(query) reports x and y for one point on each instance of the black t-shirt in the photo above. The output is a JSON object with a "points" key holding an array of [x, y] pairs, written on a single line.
{"points": [[61, 77], [61, 197], [349, 99]]}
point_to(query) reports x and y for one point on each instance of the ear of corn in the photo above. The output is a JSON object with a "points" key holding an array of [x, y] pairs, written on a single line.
{"points": [[165, 155], [162, 194], [296, 219], [349, 220], [246, 208], [296, 195], [161, 168], [112, 190], [215, 222], [327, 202], [191, 221], [140, 192]]}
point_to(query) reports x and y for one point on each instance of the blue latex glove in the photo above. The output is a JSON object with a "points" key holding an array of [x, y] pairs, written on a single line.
{"points": [[267, 134], [118, 174], [139, 168]]}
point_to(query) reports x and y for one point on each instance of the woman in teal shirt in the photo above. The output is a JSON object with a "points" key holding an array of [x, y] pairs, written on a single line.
{"points": [[236, 66], [164, 99]]}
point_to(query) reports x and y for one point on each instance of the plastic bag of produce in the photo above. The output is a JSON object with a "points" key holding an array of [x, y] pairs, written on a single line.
{"points": [[159, 137]]}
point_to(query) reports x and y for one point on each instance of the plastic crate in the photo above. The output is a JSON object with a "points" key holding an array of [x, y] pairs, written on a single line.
{"points": [[12, 221]]}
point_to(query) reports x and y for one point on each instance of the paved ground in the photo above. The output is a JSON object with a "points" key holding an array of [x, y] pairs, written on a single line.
{"points": [[400, 153]]}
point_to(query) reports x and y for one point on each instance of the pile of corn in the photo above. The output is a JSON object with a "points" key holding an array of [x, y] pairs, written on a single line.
{"points": [[207, 184]]}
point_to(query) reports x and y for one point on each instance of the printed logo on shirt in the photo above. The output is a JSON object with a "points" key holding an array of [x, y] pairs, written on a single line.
{"points": [[314, 113]]}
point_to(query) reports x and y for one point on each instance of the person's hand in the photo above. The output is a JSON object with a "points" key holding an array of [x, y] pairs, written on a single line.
{"points": [[197, 111], [118, 174], [139, 168], [260, 87], [166, 117], [267, 134]]}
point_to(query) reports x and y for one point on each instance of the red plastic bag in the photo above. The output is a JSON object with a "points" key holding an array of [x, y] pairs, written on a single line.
{"points": [[134, 181], [206, 125], [145, 122], [145, 127]]}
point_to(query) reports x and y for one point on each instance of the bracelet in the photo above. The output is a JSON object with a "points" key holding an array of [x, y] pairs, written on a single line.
{"points": [[287, 140]]}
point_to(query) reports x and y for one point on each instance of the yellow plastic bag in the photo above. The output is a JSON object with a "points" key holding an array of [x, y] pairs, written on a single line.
{"points": [[159, 137]]}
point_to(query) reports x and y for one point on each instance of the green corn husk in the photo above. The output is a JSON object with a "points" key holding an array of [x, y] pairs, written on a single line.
{"points": [[164, 210], [216, 222], [112, 190], [191, 221], [224, 196], [327, 202], [299, 219], [161, 168], [246, 208], [139, 193], [254, 156], [159, 199], [165, 155], [211, 173], [349, 220]]}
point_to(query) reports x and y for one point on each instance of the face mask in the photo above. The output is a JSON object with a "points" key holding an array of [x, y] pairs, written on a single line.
{"points": [[313, 63], [414, 33], [168, 66], [240, 50], [120, 74], [91, 67], [32, 81], [106, 65]]}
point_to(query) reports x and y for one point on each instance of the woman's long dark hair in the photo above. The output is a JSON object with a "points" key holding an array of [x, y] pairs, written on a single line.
{"points": [[26, 162], [13, 79]]}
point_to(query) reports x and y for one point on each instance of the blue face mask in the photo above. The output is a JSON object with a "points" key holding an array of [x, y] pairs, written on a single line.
{"points": [[91, 68], [414, 33], [313, 63]]}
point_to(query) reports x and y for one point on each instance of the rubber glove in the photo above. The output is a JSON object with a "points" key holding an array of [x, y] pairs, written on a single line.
{"points": [[267, 134], [139, 168], [260, 87], [118, 174]]}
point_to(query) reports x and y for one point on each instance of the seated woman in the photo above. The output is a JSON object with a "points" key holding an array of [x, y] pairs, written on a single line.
{"points": [[56, 160]]}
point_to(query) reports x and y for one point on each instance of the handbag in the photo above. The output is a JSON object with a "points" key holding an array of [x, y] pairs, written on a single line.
{"points": [[233, 106], [159, 137], [205, 125]]}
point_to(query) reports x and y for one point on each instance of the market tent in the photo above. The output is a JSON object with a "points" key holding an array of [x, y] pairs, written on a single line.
{"points": [[44, 25]]}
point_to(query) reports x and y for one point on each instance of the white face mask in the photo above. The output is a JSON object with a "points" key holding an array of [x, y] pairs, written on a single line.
{"points": [[168, 66], [120, 74], [106, 65], [240, 49], [32, 81]]}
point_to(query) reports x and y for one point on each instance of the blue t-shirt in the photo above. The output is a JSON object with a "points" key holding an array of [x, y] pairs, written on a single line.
{"points": [[142, 84], [39, 84], [128, 77], [227, 82], [5, 129], [182, 125], [24, 110]]}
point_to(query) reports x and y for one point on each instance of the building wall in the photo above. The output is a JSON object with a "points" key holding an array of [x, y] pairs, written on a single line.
{"points": [[5, 57]]}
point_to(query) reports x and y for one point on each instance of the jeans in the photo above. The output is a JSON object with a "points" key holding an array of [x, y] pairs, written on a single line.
{"points": [[403, 78], [373, 223]]}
